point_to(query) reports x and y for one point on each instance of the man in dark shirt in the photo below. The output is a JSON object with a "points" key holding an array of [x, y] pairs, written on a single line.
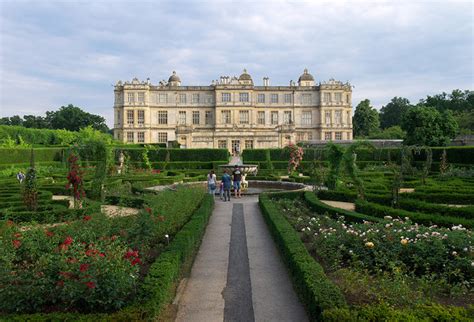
{"points": [[226, 185], [237, 178]]}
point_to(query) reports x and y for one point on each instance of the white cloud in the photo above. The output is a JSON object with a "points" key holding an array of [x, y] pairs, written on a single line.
{"points": [[74, 51]]}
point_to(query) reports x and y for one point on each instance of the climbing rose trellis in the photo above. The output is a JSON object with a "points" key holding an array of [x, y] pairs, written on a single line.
{"points": [[74, 178], [296, 156]]}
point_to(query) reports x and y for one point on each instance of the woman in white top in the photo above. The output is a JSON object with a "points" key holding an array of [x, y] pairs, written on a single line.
{"points": [[211, 182]]}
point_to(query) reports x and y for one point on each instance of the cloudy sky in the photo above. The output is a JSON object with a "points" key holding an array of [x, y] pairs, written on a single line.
{"points": [[54, 53]]}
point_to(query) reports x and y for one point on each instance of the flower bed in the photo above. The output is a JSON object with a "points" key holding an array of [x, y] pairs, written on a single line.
{"points": [[96, 264]]}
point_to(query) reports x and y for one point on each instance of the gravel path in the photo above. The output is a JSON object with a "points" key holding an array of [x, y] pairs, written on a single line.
{"points": [[340, 204]]}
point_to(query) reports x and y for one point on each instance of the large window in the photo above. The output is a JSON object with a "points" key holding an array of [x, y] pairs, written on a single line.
{"points": [[244, 117], [328, 117], [162, 137], [274, 98], [328, 136], [141, 97], [182, 98], [306, 99], [225, 117], [261, 118], [310, 136], [287, 117], [162, 117], [327, 97], [348, 118], [261, 98], [131, 98], [347, 98], [182, 117], [287, 98], [338, 136], [162, 98], [338, 97], [130, 118], [249, 144], [196, 115], [306, 118], [141, 117], [141, 137], [130, 137], [299, 136], [195, 98], [222, 144], [243, 97], [208, 117], [225, 97], [274, 118], [338, 117]]}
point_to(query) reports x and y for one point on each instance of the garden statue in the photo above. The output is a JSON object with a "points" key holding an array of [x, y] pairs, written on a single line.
{"points": [[121, 162]]}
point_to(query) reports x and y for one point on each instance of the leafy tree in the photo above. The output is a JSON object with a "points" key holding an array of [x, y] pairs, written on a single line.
{"points": [[457, 101], [16, 120], [366, 119], [73, 118], [37, 122], [392, 113], [30, 189], [390, 133], [427, 126]]}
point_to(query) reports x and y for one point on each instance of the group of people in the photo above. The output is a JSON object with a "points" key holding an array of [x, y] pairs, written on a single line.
{"points": [[226, 183]]}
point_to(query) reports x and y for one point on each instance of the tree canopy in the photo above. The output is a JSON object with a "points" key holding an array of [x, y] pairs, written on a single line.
{"points": [[366, 119], [427, 126], [69, 117], [392, 113]]}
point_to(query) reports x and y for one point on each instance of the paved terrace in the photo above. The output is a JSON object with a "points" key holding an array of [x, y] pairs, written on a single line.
{"points": [[238, 274]]}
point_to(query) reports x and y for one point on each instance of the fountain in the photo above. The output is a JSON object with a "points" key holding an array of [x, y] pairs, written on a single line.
{"points": [[246, 169]]}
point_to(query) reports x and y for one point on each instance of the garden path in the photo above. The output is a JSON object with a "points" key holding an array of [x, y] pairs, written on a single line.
{"points": [[340, 204], [238, 274]]}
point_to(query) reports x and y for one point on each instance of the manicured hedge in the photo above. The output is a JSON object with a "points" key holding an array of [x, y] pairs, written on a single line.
{"points": [[383, 312], [22, 155], [176, 155], [459, 155], [316, 205], [159, 287], [377, 210], [312, 285], [442, 197], [432, 208]]}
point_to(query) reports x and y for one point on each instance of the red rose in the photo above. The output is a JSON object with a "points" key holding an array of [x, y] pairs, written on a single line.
{"points": [[90, 285], [68, 241], [49, 233], [16, 243], [87, 218], [136, 261], [84, 267], [60, 283]]}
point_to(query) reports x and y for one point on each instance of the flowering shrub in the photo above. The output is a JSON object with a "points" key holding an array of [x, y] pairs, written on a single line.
{"points": [[296, 156], [391, 245], [74, 178], [42, 269]]}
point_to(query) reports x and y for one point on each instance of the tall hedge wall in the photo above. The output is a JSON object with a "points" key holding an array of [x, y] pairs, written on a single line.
{"points": [[455, 154], [22, 155]]}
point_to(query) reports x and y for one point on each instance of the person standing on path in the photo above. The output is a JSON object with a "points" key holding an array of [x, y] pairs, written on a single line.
{"points": [[237, 178], [211, 182], [226, 185], [20, 177]]}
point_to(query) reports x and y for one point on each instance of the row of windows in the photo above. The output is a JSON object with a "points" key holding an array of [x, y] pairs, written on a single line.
{"points": [[337, 117], [244, 97], [162, 137], [244, 117], [222, 144], [337, 136]]}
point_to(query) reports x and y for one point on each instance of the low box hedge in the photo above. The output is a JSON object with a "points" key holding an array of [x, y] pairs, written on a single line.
{"points": [[381, 211], [312, 285], [432, 208], [316, 205]]}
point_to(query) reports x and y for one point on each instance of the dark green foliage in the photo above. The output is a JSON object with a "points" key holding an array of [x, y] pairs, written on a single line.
{"points": [[366, 119], [314, 288], [16, 155], [435, 209], [177, 155], [335, 156], [427, 126], [30, 188], [392, 113], [384, 312], [73, 118]]}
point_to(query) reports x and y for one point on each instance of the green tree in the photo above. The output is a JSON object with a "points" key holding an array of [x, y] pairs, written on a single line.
{"points": [[37, 122], [390, 133], [427, 126], [366, 119], [392, 113], [73, 118]]}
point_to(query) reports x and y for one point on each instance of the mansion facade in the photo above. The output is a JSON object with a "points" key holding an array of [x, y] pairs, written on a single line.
{"points": [[232, 113]]}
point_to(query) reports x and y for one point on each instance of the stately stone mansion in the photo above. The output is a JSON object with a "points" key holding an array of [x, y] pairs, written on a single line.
{"points": [[232, 112]]}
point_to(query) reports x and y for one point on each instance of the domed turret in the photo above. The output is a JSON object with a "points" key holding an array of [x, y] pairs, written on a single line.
{"points": [[306, 79], [174, 80], [245, 78]]}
